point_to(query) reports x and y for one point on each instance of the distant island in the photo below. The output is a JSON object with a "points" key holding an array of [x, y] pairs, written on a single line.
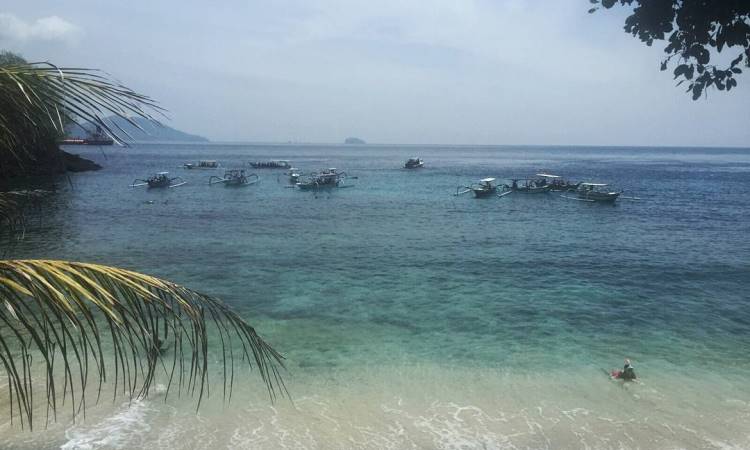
{"points": [[151, 132], [354, 140]]}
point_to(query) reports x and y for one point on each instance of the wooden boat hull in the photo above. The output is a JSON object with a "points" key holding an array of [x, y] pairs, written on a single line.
{"points": [[269, 165], [484, 193], [563, 188], [602, 197], [194, 167], [533, 190], [317, 186], [234, 178], [326, 180], [158, 184]]}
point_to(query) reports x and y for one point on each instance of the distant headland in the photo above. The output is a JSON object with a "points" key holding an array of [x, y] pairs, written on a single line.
{"points": [[354, 140], [149, 132]]}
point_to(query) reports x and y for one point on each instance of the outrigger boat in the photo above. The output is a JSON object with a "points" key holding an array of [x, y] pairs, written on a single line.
{"points": [[533, 186], [328, 178], [159, 180], [294, 175], [595, 192], [234, 177], [557, 183], [484, 188], [414, 163], [203, 164], [272, 164]]}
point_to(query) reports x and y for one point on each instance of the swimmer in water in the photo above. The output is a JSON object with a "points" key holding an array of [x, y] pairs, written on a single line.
{"points": [[627, 373]]}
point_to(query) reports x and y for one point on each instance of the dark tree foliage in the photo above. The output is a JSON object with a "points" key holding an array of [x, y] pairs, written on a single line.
{"points": [[38, 101], [36, 149], [694, 30]]}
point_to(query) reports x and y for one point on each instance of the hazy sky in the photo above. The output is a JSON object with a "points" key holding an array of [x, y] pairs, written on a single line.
{"points": [[388, 71]]}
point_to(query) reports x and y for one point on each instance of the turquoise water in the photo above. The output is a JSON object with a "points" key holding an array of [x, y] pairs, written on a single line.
{"points": [[402, 307]]}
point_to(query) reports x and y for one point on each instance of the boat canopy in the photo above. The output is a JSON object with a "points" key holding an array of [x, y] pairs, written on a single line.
{"points": [[594, 184], [547, 175], [487, 180]]}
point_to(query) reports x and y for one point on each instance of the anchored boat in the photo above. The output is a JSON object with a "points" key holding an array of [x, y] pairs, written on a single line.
{"points": [[414, 163], [203, 164], [272, 164], [484, 188], [529, 186], [595, 192], [557, 183], [159, 180], [328, 178], [293, 175], [98, 137], [234, 177]]}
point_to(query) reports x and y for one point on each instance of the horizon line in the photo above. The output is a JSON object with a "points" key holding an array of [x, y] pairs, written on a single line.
{"points": [[369, 144]]}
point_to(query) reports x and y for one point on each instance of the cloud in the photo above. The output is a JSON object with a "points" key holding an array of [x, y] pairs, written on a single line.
{"points": [[52, 28]]}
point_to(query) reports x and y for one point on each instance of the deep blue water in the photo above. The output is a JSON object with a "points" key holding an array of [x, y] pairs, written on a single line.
{"points": [[398, 262]]}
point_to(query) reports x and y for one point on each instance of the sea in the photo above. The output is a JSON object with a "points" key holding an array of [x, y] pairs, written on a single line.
{"points": [[413, 318]]}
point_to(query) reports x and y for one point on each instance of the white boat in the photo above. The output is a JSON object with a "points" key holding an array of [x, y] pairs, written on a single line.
{"points": [[294, 175], [234, 177], [529, 186], [328, 178], [272, 164], [202, 164], [557, 183], [484, 188], [414, 163], [596, 192], [159, 180]]}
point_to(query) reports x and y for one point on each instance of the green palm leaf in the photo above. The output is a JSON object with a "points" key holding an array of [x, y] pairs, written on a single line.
{"points": [[65, 313], [38, 100]]}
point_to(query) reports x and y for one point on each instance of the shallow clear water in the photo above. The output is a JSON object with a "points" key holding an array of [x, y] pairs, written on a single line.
{"points": [[413, 318]]}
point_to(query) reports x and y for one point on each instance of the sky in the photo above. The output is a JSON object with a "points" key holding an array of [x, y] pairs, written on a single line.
{"points": [[475, 72]]}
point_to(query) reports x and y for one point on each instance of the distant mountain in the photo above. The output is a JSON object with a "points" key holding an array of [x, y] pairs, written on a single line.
{"points": [[151, 132], [353, 140]]}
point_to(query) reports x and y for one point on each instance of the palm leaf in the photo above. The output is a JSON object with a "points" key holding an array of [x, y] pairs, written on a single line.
{"points": [[13, 204], [37, 101], [65, 313]]}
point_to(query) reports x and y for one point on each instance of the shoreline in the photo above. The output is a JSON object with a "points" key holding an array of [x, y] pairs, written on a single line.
{"points": [[426, 406]]}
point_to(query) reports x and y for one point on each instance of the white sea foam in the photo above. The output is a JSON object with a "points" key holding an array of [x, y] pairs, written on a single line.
{"points": [[425, 407], [121, 430]]}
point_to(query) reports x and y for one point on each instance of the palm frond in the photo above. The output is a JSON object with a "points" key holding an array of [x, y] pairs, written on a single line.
{"points": [[67, 313], [12, 208], [39, 99]]}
